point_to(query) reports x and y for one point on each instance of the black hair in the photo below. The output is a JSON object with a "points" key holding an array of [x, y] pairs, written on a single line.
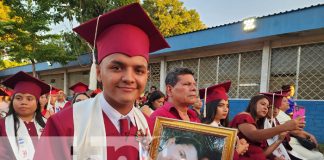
{"points": [[45, 106], [38, 116], [172, 77], [154, 96], [153, 87], [211, 112], [77, 94], [252, 109], [188, 141], [286, 87]]}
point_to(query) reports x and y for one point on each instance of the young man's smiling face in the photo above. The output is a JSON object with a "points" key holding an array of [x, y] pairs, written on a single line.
{"points": [[123, 78]]}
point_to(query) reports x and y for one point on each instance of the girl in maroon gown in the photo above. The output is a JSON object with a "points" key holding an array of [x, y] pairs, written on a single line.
{"points": [[217, 110], [250, 126], [20, 129]]}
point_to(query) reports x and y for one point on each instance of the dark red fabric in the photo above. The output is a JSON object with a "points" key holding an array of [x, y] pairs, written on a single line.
{"points": [[255, 150], [127, 30], [124, 130], [68, 104], [56, 127], [22, 82], [169, 111], [5, 147], [79, 87], [44, 112], [216, 92]]}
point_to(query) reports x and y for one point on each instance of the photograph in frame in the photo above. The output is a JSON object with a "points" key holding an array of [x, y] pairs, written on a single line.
{"points": [[176, 139]]}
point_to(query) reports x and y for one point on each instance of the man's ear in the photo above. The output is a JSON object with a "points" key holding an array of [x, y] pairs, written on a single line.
{"points": [[98, 71], [168, 90]]}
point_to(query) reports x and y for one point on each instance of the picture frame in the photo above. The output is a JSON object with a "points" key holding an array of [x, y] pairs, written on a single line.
{"points": [[188, 140]]}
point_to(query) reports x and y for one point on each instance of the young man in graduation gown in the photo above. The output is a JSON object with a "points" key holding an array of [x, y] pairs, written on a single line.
{"points": [[181, 90], [124, 38]]}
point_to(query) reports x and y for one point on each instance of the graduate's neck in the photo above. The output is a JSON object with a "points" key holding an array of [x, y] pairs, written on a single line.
{"points": [[217, 120], [26, 118], [122, 108], [42, 108]]}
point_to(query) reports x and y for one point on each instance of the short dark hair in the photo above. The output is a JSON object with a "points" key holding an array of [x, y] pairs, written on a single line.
{"points": [[76, 95], [154, 96], [187, 141], [286, 87], [172, 77], [154, 87]]}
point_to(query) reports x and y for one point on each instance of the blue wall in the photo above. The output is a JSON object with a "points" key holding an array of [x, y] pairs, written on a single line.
{"points": [[314, 115]]}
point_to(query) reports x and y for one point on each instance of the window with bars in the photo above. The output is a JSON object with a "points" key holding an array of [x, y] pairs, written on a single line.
{"points": [[298, 65], [154, 75], [216, 69], [301, 66]]}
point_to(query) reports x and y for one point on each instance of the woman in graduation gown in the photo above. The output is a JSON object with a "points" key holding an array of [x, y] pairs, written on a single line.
{"points": [[20, 130], [216, 111], [250, 125]]}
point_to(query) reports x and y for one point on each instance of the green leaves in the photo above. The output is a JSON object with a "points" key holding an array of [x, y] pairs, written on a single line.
{"points": [[29, 39], [171, 17]]}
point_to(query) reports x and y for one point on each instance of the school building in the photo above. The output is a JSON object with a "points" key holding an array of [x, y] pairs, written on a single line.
{"points": [[257, 54]]}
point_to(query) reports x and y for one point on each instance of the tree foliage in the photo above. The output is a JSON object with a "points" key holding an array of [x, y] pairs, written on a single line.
{"points": [[171, 17], [168, 15], [30, 39], [6, 38], [27, 37], [82, 10]]}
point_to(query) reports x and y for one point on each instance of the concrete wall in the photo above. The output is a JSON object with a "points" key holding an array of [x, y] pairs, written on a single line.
{"points": [[314, 115]]}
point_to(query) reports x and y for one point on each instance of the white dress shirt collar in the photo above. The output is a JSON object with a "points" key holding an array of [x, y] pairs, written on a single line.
{"points": [[114, 115]]}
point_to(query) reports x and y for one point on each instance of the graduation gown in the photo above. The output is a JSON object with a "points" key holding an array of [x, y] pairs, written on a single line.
{"points": [[6, 152], [57, 138]]}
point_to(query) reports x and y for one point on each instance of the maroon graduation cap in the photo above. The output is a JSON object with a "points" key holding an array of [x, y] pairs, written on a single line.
{"points": [[54, 90], [216, 92], [22, 82], [3, 93], [274, 99], [127, 30], [79, 87], [285, 93]]}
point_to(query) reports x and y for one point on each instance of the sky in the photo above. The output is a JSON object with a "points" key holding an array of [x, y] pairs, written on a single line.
{"points": [[218, 12]]}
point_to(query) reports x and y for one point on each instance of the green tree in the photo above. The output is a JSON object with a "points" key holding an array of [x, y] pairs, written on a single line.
{"points": [[30, 39], [80, 11], [168, 15], [6, 24], [171, 17]]}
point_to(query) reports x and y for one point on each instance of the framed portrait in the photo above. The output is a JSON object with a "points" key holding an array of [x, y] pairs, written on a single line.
{"points": [[176, 139]]}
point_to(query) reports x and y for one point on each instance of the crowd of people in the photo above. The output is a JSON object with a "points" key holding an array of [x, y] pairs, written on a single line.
{"points": [[94, 126]]}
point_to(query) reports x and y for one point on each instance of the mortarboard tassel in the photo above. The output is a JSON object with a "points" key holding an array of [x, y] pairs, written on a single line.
{"points": [[272, 108], [205, 98], [93, 75], [49, 98]]}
